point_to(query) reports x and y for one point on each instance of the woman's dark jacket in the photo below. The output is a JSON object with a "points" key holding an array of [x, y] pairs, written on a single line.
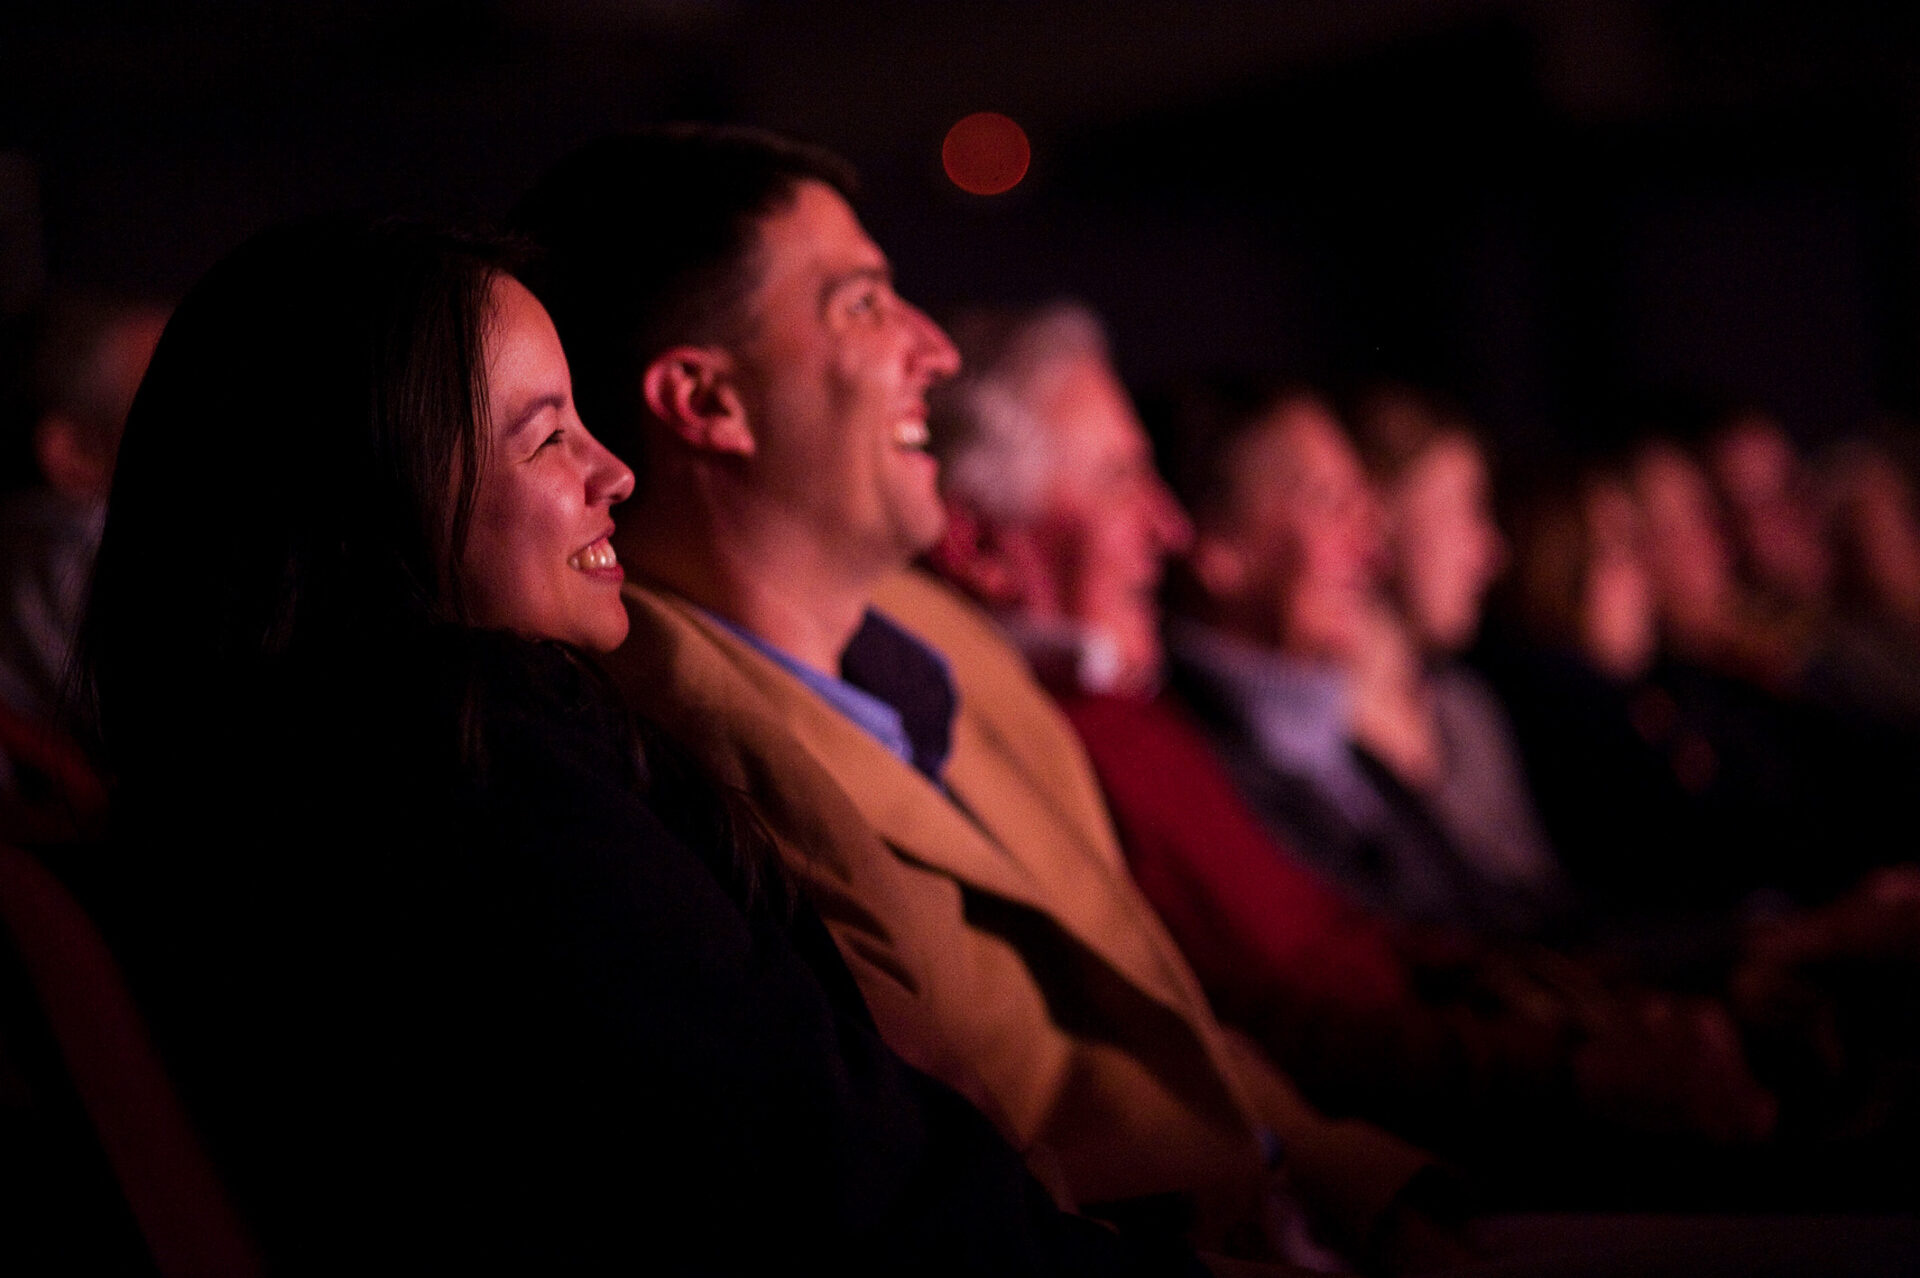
{"points": [[442, 988]]}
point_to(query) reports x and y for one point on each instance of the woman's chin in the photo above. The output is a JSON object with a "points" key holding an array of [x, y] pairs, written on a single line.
{"points": [[609, 634]]}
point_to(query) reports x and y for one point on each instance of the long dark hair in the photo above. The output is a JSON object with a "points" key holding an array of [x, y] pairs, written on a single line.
{"points": [[299, 467], [287, 519]]}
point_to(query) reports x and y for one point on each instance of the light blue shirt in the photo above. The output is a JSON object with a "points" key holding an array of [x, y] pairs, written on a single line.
{"points": [[1299, 713], [896, 689]]}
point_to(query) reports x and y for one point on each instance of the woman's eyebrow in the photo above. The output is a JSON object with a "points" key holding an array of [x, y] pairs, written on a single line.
{"points": [[533, 409]]}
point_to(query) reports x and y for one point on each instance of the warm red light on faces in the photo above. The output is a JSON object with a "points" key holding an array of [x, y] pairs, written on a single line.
{"points": [[1447, 547], [1294, 561], [1687, 555], [986, 153], [537, 559], [1107, 523], [1772, 515], [833, 379]]}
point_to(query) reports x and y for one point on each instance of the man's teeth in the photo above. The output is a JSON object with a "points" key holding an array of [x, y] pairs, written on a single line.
{"points": [[598, 555], [912, 434]]}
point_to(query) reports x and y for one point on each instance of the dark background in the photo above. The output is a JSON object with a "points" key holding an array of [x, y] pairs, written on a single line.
{"points": [[1553, 211]]}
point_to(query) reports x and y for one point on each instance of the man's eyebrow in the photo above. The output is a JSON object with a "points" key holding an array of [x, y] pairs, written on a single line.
{"points": [[879, 273]]}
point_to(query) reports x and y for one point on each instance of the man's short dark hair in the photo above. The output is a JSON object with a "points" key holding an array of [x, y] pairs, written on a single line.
{"points": [[1201, 423], [649, 240]]}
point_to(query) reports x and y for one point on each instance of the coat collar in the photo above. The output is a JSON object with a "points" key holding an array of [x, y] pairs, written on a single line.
{"points": [[976, 836]]}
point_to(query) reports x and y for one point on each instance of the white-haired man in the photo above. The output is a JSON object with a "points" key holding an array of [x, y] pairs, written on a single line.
{"points": [[1059, 523]]}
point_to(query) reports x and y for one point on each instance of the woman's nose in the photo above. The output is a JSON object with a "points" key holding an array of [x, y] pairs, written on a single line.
{"points": [[610, 480]]}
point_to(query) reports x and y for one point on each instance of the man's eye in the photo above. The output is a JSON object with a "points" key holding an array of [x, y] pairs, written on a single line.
{"points": [[867, 301], [552, 439]]}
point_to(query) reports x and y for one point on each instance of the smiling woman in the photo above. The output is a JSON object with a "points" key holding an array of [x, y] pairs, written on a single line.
{"points": [[539, 558], [455, 966]]}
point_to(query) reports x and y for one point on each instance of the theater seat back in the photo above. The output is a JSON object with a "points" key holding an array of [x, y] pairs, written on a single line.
{"points": [[183, 1213]]}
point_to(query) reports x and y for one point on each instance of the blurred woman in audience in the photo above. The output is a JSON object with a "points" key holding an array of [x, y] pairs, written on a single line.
{"points": [[1422, 710], [1771, 514], [1622, 777], [1697, 811], [1809, 647], [1874, 526], [1804, 728], [1674, 788], [89, 356], [454, 966]]}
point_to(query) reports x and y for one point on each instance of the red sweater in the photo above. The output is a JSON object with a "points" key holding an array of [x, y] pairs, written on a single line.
{"points": [[1256, 924], [1408, 1038]]}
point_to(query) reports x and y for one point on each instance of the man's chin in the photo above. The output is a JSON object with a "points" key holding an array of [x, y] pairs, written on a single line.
{"points": [[1139, 669]]}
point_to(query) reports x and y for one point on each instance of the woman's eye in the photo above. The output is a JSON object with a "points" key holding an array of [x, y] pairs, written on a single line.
{"points": [[553, 438]]}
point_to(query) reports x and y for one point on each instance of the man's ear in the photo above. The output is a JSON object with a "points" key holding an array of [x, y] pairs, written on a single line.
{"points": [[973, 555], [692, 390]]}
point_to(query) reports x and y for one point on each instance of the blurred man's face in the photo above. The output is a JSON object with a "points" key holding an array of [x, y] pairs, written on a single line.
{"points": [[1106, 523], [834, 377], [1298, 556]]}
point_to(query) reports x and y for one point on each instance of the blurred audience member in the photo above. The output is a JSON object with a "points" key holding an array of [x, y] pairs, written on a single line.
{"points": [[1830, 658], [1287, 640], [89, 360], [1699, 809], [91, 357], [1812, 724], [1703, 612], [1627, 776], [1674, 783], [1432, 719], [1875, 530], [1061, 523], [1050, 484], [1581, 580], [1771, 510]]}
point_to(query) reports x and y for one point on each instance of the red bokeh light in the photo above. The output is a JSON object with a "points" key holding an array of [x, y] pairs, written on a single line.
{"points": [[986, 153]]}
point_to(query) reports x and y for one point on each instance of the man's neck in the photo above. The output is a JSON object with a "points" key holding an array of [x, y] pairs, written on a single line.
{"points": [[741, 569]]}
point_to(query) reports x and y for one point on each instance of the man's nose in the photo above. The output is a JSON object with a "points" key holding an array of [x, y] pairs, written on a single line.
{"points": [[937, 353]]}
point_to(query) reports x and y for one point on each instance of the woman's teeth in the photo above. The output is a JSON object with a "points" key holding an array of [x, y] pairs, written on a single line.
{"points": [[912, 434], [598, 555]]}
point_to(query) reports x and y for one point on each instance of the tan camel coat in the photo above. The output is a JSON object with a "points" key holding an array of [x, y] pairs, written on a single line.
{"points": [[996, 933]]}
